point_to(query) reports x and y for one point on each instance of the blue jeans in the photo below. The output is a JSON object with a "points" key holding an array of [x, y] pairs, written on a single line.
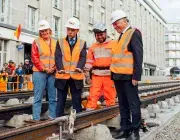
{"points": [[9, 85], [41, 81]]}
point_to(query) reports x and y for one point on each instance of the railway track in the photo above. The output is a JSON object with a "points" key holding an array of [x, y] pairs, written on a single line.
{"points": [[149, 93], [4, 96]]}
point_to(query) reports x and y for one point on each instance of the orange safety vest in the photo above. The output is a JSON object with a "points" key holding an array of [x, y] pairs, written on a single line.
{"points": [[4, 77], [46, 53], [122, 59], [100, 54], [69, 60]]}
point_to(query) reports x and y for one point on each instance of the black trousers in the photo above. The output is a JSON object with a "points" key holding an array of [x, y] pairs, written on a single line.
{"points": [[62, 95], [129, 104]]}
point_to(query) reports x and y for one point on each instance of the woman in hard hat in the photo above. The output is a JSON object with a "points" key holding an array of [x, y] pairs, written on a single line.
{"points": [[70, 57], [43, 50]]}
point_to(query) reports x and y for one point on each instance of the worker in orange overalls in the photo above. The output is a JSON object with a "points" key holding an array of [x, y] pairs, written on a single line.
{"points": [[98, 62]]}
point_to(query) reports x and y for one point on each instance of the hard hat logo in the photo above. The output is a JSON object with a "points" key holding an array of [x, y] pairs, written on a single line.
{"points": [[72, 23], [43, 24]]}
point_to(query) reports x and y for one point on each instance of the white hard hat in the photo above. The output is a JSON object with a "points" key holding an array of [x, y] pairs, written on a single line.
{"points": [[118, 14], [72, 23], [99, 27], [43, 24]]}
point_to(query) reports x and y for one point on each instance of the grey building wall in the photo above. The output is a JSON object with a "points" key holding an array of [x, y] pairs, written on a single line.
{"points": [[143, 14], [172, 46]]}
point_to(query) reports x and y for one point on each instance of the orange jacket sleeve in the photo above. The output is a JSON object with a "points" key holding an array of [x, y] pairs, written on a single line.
{"points": [[90, 59], [36, 58]]}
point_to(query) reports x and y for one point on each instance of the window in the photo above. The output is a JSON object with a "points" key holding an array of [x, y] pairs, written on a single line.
{"points": [[2, 6], [75, 9], [56, 4], [103, 20], [91, 20], [166, 37], [4, 9], [174, 37], [90, 38], [56, 26], [31, 18], [2, 53], [146, 72], [174, 62], [103, 3], [112, 5]]}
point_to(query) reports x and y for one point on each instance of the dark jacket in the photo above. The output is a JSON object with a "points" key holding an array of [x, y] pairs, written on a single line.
{"points": [[61, 83], [136, 47], [28, 68]]}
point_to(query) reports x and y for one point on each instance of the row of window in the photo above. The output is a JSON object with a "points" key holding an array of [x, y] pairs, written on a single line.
{"points": [[3, 52], [172, 37], [172, 62]]}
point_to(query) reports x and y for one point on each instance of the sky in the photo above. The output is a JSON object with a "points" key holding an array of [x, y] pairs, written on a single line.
{"points": [[170, 10]]}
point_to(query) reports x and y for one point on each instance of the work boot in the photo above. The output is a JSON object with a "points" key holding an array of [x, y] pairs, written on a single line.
{"points": [[122, 134], [134, 135]]}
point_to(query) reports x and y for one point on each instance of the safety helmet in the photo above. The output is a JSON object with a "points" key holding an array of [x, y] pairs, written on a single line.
{"points": [[99, 27], [118, 14], [43, 24], [72, 23]]}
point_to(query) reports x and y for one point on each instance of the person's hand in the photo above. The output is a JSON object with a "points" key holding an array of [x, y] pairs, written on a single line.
{"points": [[134, 82], [86, 69], [78, 70], [51, 70], [88, 81], [61, 71]]}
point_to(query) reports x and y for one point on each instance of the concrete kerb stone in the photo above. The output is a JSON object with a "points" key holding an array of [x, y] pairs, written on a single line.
{"points": [[144, 113], [29, 100], [176, 99], [98, 132], [166, 119], [18, 120], [13, 101], [170, 102]]}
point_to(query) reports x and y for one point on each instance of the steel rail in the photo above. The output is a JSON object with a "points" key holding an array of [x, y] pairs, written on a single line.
{"points": [[85, 119], [42, 130], [45, 129]]}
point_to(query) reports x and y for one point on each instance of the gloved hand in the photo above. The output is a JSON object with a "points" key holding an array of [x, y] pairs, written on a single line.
{"points": [[78, 70], [86, 69], [61, 72]]}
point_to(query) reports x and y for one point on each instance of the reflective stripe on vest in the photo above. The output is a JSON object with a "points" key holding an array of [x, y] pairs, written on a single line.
{"points": [[102, 52], [46, 54], [122, 59], [70, 60]]}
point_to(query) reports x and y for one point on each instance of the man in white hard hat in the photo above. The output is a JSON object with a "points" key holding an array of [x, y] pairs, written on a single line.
{"points": [[70, 58], [126, 68], [99, 60], [43, 49]]}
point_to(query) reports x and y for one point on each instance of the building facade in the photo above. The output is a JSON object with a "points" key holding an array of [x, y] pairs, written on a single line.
{"points": [[143, 14], [172, 46]]}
